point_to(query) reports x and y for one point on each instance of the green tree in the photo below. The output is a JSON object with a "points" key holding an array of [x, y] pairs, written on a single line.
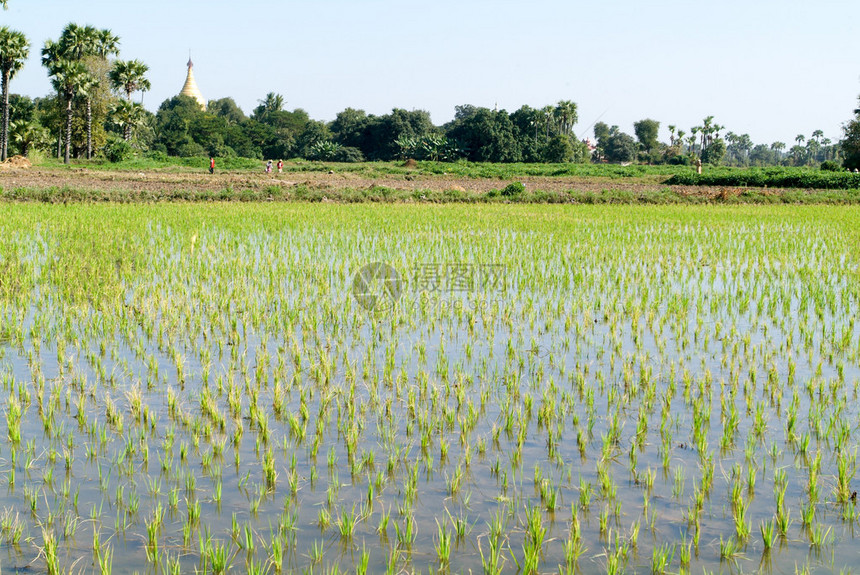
{"points": [[348, 128], [620, 147], [227, 109], [487, 136], [850, 143], [601, 137], [309, 144], [647, 131], [529, 123], [173, 122], [381, 133], [762, 155], [14, 50], [738, 148], [275, 130], [714, 152], [558, 149]]}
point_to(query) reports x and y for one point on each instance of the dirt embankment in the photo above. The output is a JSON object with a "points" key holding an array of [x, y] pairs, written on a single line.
{"points": [[16, 173]]}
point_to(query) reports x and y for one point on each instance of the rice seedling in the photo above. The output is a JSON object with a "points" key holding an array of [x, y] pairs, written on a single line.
{"points": [[443, 544], [768, 533], [729, 549], [661, 559], [535, 533], [346, 523], [818, 536]]}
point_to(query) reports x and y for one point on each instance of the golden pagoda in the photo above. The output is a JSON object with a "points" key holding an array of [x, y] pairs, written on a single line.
{"points": [[190, 88]]}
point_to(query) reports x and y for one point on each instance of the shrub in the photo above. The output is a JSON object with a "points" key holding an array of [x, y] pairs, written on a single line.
{"points": [[348, 154], [191, 150], [770, 177], [117, 150], [323, 150], [157, 155], [513, 190], [831, 166]]}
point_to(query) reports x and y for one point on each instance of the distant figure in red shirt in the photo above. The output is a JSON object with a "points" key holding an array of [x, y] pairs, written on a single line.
{"points": [[211, 165], [280, 166]]}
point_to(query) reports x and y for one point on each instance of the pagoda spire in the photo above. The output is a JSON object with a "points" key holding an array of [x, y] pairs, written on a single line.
{"points": [[190, 88]]}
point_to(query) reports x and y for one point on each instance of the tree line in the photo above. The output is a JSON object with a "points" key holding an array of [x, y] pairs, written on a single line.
{"points": [[92, 113], [706, 142]]}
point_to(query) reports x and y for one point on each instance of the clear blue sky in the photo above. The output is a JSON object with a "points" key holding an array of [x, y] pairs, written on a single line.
{"points": [[769, 68]]}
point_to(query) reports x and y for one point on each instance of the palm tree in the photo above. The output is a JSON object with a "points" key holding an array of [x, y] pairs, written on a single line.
{"points": [[106, 43], [66, 63], [812, 146], [548, 112], [129, 76], [67, 76], [691, 142], [778, 147], [826, 143], [127, 115], [694, 131], [566, 116], [14, 50], [84, 43], [271, 104], [706, 129], [77, 41], [27, 134], [88, 85]]}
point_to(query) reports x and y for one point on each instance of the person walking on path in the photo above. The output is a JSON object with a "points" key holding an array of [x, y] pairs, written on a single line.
{"points": [[211, 165], [269, 167], [280, 166]]}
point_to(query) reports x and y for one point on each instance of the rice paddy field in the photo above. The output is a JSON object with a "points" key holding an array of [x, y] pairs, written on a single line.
{"points": [[526, 389]]}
